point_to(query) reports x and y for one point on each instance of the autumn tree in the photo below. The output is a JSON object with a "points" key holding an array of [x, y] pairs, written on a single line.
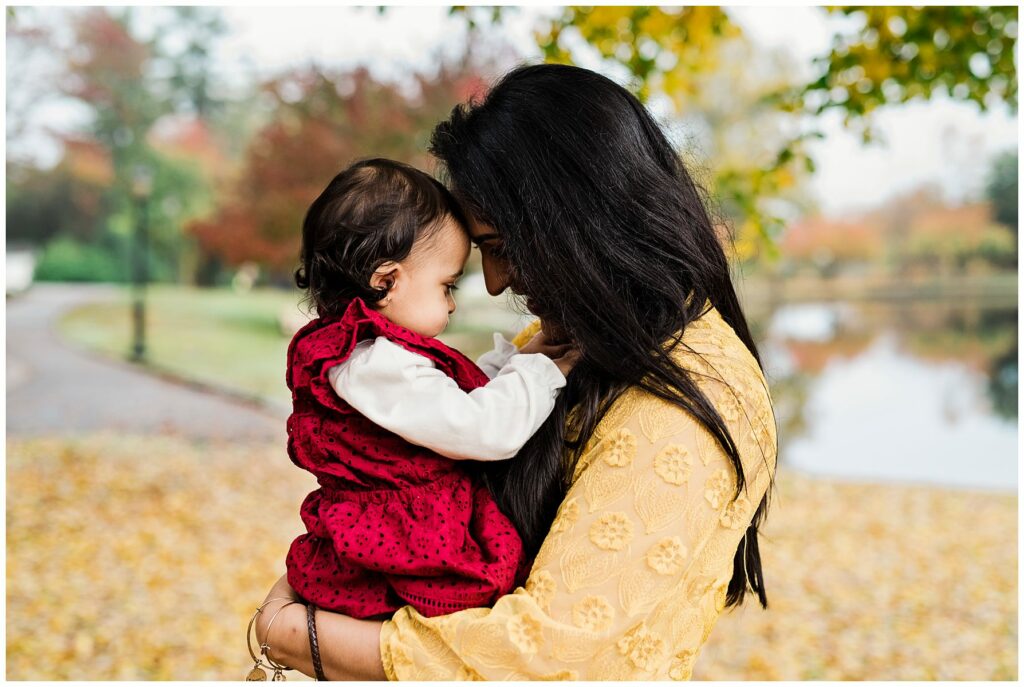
{"points": [[891, 55], [321, 121], [149, 101]]}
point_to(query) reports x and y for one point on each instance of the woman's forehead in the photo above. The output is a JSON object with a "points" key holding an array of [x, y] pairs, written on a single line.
{"points": [[480, 232]]}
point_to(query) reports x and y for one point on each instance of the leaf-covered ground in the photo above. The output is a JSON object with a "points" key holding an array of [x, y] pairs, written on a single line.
{"points": [[143, 558]]}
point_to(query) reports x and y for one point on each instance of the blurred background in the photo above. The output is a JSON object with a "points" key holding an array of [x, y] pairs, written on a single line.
{"points": [[159, 161]]}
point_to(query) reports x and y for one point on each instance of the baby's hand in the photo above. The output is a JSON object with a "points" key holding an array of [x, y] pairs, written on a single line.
{"points": [[564, 355], [540, 343], [567, 361]]}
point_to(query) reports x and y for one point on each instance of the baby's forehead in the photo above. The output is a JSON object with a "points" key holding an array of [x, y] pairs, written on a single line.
{"points": [[447, 245]]}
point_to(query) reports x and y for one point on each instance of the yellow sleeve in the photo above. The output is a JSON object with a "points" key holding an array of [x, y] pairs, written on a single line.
{"points": [[523, 337], [633, 574]]}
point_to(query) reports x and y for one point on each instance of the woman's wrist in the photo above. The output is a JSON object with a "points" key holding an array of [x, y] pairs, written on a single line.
{"points": [[287, 643], [349, 647]]}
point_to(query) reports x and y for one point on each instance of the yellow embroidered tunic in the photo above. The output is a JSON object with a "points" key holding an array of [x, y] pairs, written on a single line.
{"points": [[633, 574]]}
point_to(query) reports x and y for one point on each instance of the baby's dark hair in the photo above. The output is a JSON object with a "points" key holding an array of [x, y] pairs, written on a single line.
{"points": [[370, 213]]}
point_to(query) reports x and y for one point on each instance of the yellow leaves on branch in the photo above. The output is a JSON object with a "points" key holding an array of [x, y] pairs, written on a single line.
{"points": [[665, 48]]}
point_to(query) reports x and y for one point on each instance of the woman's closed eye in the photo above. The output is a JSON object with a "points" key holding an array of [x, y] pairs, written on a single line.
{"points": [[496, 250]]}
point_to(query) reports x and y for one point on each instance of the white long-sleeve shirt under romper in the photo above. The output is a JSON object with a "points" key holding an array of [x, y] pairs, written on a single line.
{"points": [[405, 393]]}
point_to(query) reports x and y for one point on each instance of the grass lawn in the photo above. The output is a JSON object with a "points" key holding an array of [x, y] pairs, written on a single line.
{"points": [[216, 336], [234, 340]]}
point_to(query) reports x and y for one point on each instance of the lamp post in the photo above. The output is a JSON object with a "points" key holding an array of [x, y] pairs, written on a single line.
{"points": [[142, 186]]}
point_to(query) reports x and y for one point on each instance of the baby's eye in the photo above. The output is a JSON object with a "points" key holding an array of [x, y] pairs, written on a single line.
{"points": [[450, 287]]}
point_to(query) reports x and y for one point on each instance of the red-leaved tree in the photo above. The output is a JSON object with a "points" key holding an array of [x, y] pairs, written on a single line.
{"points": [[321, 121]]}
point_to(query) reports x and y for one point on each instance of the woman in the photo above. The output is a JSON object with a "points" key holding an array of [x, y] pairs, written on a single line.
{"points": [[641, 495]]}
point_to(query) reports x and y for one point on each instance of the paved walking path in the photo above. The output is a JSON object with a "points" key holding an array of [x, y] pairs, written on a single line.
{"points": [[56, 388]]}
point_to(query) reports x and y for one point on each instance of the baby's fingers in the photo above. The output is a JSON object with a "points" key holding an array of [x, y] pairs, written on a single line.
{"points": [[556, 351], [567, 361]]}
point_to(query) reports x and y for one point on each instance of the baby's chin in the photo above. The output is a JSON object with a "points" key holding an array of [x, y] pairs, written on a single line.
{"points": [[428, 331]]}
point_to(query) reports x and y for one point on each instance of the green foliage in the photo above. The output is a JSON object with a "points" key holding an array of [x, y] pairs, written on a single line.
{"points": [[108, 72], [106, 260], [998, 247], [893, 55], [899, 54], [1002, 189], [44, 203], [191, 85], [128, 85], [68, 260]]}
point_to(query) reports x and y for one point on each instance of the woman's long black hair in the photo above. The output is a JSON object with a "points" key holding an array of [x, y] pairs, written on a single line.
{"points": [[610, 239]]}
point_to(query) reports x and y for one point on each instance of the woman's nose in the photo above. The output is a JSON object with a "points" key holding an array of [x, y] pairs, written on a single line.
{"points": [[497, 275]]}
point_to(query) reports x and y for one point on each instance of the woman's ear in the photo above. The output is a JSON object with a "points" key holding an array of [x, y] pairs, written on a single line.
{"points": [[386, 277]]}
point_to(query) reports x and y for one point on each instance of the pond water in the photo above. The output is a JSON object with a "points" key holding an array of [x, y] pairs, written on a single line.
{"points": [[922, 392], [918, 392]]}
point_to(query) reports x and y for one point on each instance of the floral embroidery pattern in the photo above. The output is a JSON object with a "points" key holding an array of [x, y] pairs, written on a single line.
{"points": [[707, 446], [732, 515], [612, 531], [673, 464], [525, 633], [716, 489], [730, 411], [666, 557], [643, 648], [541, 586], [568, 514], [682, 665], [642, 549], [593, 613], [621, 448]]}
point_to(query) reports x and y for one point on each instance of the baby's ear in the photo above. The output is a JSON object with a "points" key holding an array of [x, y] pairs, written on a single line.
{"points": [[385, 276]]}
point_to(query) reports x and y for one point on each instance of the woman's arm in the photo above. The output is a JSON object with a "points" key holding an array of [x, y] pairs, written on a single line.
{"points": [[630, 579], [349, 648], [633, 573]]}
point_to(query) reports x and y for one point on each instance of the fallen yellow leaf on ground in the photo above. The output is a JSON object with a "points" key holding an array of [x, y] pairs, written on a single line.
{"points": [[142, 558]]}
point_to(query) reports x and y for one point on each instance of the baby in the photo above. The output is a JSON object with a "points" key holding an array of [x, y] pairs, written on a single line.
{"points": [[383, 411]]}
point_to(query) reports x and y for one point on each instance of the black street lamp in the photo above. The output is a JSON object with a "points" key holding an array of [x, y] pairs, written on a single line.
{"points": [[142, 187]]}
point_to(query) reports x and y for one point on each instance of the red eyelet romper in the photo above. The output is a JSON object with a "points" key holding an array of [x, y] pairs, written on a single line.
{"points": [[392, 523]]}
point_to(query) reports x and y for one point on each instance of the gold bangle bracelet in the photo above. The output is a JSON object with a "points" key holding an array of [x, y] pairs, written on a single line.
{"points": [[265, 647], [256, 673]]}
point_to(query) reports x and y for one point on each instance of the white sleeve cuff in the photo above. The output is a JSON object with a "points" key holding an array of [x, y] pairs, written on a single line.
{"points": [[492, 361]]}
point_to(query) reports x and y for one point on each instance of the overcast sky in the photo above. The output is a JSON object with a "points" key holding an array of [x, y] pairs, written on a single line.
{"points": [[947, 143]]}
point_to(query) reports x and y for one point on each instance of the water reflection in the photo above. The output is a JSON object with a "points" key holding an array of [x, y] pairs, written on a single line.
{"points": [[922, 392]]}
